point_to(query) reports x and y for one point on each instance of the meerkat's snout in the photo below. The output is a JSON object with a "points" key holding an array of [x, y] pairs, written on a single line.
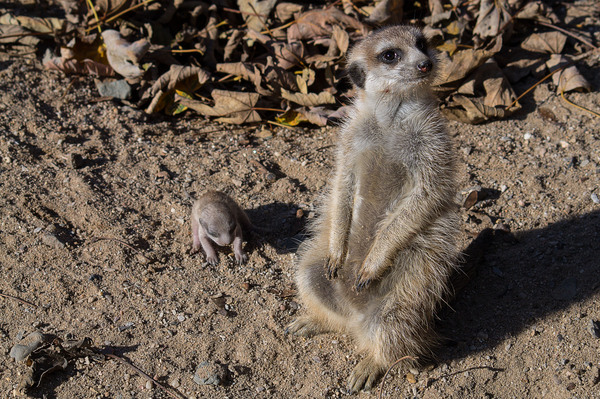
{"points": [[425, 66]]}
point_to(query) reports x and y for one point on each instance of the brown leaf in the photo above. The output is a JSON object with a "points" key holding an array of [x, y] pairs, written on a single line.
{"points": [[178, 74], [15, 34], [245, 70], [230, 106], [287, 55], [342, 40], [524, 63], [41, 25], [387, 11], [317, 23], [472, 110], [256, 13], [471, 199], [538, 11], [285, 11], [492, 17], [123, 56], [466, 61], [310, 99], [569, 79], [84, 67], [233, 44], [547, 42]]}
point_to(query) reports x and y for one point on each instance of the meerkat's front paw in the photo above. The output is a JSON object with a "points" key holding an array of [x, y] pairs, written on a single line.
{"points": [[335, 262], [364, 376], [241, 258], [303, 326], [212, 260]]}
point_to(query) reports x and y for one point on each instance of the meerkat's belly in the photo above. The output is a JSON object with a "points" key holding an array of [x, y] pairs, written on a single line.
{"points": [[379, 186]]}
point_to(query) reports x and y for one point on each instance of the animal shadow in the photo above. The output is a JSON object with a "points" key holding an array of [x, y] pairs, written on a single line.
{"points": [[279, 225], [518, 279]]}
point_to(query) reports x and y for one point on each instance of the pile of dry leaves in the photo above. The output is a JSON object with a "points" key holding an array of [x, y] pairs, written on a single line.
{"points": [[248, 61]]}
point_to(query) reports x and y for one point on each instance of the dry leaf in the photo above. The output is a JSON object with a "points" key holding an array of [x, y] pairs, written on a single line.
{"points": [[547, 42], [492, 18], [537, 10], [471, 199], [569, 79], [186, 78], [73, 66], [231, 106], [15, 34], [233, 44], [41, 25], [310, 99], [342, 40], [466, 61], [387, 11], [285, 11], [123, 56], [317, 23], [472, 110], [256, 13]]}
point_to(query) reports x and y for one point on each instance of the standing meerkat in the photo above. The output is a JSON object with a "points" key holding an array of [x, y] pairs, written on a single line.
{"points": [[218, 218], [385, 243]]}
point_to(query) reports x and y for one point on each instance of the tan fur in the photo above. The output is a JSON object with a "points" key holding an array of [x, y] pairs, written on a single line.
{"points": [[217, 218], [378, 263]]}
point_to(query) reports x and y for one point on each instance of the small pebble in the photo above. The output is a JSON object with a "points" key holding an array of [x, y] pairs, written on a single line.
{"points": [[411, 378], [209, 373], [595, 198], [149, 385], [527, 136], [594, 328], [246, 286]]}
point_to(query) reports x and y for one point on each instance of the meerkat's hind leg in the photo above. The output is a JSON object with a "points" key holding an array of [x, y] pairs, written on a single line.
{"points": [[304, 326], [365, 375]]}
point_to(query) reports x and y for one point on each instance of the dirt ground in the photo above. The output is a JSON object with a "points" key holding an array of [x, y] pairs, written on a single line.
{"points": [[95, 233]]}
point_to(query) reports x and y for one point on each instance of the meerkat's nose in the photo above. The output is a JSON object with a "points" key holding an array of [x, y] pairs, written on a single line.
{"points": [[425, 66]]}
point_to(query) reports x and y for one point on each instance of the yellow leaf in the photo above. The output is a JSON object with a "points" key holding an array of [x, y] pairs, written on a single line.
{"points": [[290, 118]]}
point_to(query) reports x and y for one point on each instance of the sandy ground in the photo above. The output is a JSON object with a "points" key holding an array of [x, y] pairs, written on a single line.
{"points": [[95, 233]]}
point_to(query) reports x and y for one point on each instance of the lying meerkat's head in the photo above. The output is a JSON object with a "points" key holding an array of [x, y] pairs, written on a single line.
{"points": [[393, 60]]}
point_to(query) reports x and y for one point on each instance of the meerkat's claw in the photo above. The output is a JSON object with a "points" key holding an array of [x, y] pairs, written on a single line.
{"points": [[332, 269], [362, 283]]}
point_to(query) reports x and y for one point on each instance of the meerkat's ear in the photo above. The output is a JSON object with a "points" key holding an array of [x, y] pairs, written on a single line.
{"points": [[358, 74]]}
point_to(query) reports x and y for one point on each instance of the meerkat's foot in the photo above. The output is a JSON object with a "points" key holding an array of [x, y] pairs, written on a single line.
{"points": [[365, 375], [303, 326], [212, 260], [241, 258]]}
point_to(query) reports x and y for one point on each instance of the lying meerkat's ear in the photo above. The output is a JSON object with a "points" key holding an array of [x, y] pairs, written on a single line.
{"points": [[357, 74]]}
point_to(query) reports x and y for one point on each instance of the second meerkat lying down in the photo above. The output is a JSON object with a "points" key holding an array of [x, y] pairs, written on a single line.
{"points": [[385, 243]]}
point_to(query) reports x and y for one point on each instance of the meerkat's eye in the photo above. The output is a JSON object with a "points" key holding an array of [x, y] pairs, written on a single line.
{"points": [[389, 56], [421, 44]]}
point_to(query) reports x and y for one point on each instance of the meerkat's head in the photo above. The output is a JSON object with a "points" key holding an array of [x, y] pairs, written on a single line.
{"points": [[395, 60], [218, 223]]}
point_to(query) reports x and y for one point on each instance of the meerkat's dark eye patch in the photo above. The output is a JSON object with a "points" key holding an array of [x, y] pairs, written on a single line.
{"points": [[389, 56], [421, 44], [357, 74]]}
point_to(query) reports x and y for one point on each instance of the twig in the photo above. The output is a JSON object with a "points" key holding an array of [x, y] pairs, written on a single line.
{"points": [[568, 64], [562, 94], [93, 8], [23, 301], [170, 392], [566, 32], [380, 394], [118, 15]]}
